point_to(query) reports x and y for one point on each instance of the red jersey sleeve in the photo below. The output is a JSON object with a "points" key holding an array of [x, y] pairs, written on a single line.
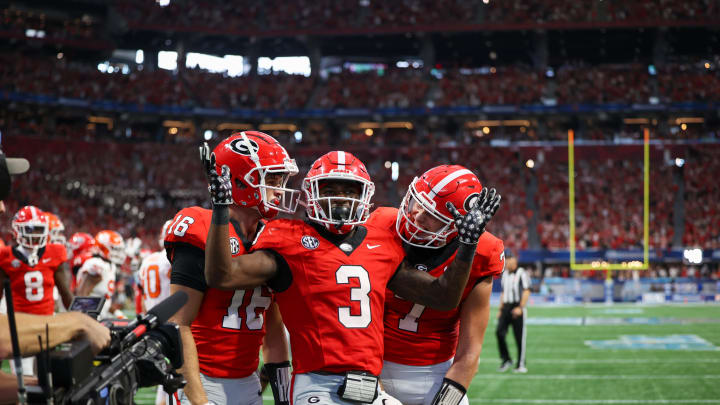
{"points": [[58, 253], [189, 227], [385, 217], [489, 256]]}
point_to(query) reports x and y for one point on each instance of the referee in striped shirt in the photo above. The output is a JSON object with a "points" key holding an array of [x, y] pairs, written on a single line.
{"points": [[513, 302]]}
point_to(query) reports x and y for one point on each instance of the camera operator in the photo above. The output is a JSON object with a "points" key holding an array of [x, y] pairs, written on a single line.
{"points": [[61, 327]]}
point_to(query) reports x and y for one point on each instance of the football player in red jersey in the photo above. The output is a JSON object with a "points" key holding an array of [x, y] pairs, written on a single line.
{"points": [[97, 275], [431, 356], [81, 246], [330, 274], [33, 266], [222, 330]]}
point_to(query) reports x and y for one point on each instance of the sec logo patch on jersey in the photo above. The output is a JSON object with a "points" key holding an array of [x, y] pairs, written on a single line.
{"points": [[310, 242], [234, 246]]}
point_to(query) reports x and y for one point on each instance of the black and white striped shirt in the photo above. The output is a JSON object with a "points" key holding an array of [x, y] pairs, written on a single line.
{"points": [[513, 284]]}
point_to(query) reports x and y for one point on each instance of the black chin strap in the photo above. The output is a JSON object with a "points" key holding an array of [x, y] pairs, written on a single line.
{"points": [[339, 225]]}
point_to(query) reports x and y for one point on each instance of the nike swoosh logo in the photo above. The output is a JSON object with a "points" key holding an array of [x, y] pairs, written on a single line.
{"points": [[46, 260], [371, 247]]}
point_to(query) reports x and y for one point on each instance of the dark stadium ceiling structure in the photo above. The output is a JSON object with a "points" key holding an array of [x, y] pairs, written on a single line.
{"points": [[456, 49]]}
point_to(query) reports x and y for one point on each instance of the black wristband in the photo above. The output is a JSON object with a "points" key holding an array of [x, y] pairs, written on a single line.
{"points": [[466, 252], [278, 375], [220, 215]]}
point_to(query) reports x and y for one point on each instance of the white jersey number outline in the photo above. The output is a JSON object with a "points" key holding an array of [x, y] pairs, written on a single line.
{"points": [[361, 294], [253, 320]]}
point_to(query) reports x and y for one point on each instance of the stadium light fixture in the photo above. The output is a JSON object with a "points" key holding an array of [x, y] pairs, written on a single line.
{"points": [[298, 136], [693, 256], [530, 163], [208, 134], [395, 171], [369, 132], [679, 162]]}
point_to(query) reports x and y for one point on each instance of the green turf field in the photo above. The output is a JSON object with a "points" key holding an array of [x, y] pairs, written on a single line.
{"points": [[644, 367], [644, 355]]}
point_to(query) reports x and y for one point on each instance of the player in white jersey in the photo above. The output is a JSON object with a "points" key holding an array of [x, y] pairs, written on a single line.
{"points": [[154, 276], [153, 281], [96, 277]]}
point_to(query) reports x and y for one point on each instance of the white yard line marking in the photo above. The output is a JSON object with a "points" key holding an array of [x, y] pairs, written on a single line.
{"points": [[593, 401], [597, 377], [618, 361]]}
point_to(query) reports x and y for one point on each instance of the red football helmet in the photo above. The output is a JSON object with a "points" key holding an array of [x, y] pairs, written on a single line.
{"points": [[57, 228], [251, 157], [31, 228], [338, 166], [423, 219], [81, 242], [112, 246]]}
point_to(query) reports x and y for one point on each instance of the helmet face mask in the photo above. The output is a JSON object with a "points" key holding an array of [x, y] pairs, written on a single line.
{"points": [[30, 228], [253, 157], [432, 231], [423, 219], [345, 205], [283, 199]]}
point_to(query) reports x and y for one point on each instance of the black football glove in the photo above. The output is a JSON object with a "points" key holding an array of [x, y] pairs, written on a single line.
{"points": [[472, 225], [219, 185]]}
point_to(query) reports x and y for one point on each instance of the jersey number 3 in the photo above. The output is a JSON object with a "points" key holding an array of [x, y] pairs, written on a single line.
{"points": [[359, 294]]}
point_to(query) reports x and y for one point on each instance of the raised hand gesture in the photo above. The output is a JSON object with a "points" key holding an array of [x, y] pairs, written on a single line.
{"points": [[472, 225], [219, 185]]}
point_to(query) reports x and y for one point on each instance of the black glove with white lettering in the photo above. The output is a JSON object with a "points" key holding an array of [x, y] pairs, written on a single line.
{"points": [[472, 225], [219, 185]]}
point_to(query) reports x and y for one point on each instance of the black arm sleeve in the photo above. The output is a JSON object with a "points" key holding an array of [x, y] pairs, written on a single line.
{"points": [[188, 266], [283, 278]]}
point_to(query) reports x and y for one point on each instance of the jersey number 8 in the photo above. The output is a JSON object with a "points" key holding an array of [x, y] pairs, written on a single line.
{"points": [[34, 290]]}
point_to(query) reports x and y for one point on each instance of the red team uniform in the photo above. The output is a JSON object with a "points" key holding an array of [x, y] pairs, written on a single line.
{"points": [[420, 336], [229, 327], [82, 247], [331, 295], [32, 286]]}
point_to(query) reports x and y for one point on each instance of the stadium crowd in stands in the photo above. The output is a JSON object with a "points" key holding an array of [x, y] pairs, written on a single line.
{"points": [[330, 15], [609, 193], [394, 88]]}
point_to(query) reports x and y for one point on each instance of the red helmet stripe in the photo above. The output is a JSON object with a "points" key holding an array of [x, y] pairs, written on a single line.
{"points": [[444, 182]]}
